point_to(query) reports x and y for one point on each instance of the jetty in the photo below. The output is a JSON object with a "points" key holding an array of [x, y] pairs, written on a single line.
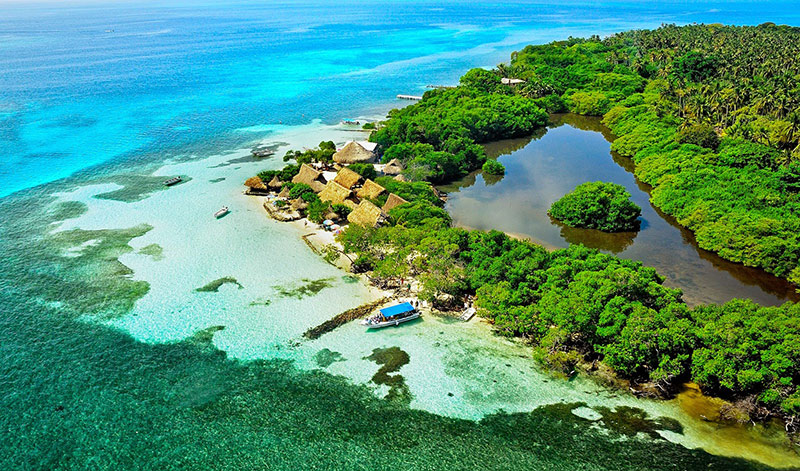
{"points": [[409, 97], [347, 316]]}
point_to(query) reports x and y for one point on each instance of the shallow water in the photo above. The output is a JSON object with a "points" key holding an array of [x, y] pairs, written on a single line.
{"points": [[541, 169]]}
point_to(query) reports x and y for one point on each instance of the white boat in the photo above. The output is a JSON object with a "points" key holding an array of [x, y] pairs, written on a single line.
{"points": [[393, 315], [467, 314], [222, 212]]}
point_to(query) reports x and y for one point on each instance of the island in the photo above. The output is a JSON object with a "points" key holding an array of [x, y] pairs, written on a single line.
{"points": [[707, 114], [598, 205]]}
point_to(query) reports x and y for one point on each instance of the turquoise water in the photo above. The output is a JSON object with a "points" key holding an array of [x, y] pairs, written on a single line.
{"points": [[87, 84], [111, 356]]}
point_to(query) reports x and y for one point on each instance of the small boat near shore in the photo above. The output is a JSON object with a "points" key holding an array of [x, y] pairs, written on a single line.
{"points": [[468, 314], [262, 151], [173, 181], [222, 212], [393, 315]]}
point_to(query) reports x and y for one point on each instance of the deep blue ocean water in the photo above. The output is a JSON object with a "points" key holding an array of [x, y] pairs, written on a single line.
{"points": [[82, 83]]}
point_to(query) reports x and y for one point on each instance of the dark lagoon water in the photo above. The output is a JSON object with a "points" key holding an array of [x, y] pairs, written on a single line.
{"points": [[574, 150], [109, 356]]}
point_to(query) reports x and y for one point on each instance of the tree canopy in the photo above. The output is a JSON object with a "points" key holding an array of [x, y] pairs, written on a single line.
{"points": [[598, 205]]}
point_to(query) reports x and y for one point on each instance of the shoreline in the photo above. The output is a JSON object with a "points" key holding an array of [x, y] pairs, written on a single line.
{"points": [[317, 239]]}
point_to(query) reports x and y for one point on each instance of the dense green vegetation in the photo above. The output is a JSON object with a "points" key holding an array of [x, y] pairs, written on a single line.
{"points": [[714, 131], [708, 115], [579, 305], [493, 167], [364, 169], [324, 153], [285, 174], [437, 138], [598, 205]]}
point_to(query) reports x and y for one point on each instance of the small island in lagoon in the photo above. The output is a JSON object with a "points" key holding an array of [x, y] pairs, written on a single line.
{"points": [[579, 307], [597, 205]]}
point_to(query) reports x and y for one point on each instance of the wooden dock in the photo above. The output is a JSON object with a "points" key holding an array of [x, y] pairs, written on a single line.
{"points": [[409, 97]]}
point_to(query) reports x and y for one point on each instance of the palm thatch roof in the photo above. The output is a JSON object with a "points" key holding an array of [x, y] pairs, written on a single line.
{"points": [[392, 201], [394, 167], [335, 193], [275, 183], [332, 216], [255, 183], [401, 178], [317, 186], [353, 152], [370, 190], [366, 214], [308, 176], [347, 178], [284, 193]]}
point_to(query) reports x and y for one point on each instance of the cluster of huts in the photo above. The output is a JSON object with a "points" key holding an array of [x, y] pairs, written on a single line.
{"points": [[340, 185]]}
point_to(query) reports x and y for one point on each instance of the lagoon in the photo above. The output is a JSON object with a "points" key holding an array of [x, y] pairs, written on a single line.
{"points": [[573, 150]]}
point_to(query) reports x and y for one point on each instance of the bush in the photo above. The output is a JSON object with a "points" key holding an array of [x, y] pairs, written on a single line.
{"points": [[493, 167], [415, 214], [285, 174], [740, 153], [701, 135], [484, 80], [589, 103], [598, 205], [324, 153], [364, 169], [342, 210], [317, 210], [299, 189]]}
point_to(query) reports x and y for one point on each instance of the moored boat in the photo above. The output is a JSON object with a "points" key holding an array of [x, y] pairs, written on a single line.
{"points": [[173, 181], [393, 315], [222, 212]]}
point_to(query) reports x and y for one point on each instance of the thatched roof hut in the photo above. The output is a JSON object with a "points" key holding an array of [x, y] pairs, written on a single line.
{"points": [[275, 183], [370, 190], [366, 214], [347, 178], [317, 186], [310, 177], [401, 178], [354, 152], [394, 167], [335, 193], [332, 216], [392, 202], [255, 183], [284, 193]]}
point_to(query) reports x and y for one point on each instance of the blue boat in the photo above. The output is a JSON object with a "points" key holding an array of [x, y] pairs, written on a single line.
{"points": [[393, 315]]}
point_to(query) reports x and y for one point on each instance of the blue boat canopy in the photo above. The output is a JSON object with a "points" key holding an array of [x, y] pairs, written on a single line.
{"points": [[396, 310]]}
